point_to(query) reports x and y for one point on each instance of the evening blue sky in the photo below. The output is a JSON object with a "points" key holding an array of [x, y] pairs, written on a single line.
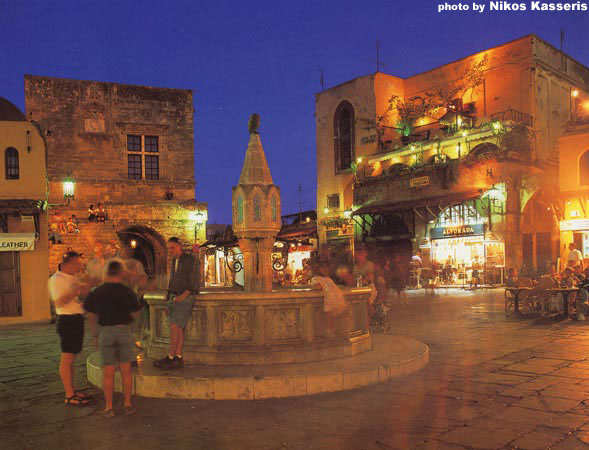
{"points": [[256, 56]]}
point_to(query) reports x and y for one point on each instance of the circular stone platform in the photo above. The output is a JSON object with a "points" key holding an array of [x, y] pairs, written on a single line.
{"points": [[391, 357]]}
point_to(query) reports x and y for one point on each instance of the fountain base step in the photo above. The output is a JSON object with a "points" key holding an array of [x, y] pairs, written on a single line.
{"points": [[391, 357]]}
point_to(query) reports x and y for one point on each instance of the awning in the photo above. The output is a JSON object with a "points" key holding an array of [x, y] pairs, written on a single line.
{"points": [[302, 230], [17, 242], [442, 201], [20, 206]]}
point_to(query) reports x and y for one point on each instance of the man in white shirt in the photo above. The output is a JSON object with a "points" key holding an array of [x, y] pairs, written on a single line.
{"points": [[66, 289], [575, 256]]}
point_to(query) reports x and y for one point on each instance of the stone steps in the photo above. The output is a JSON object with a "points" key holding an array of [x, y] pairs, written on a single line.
{"points": [[391, 357]]}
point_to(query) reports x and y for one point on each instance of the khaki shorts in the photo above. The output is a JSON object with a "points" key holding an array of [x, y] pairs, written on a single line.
{"points": [[180, 312], [116, 344]]}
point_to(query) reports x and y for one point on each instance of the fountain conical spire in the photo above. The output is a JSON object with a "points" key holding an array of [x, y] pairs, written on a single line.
{"points": [[255, 167]]}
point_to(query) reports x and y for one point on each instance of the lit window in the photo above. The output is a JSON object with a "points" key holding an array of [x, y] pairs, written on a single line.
{"points": [[343, 125], [143, 157], [333, 201], [11, 164]]}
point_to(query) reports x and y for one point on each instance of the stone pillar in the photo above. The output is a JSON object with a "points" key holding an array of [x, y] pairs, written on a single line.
{"points": [[257, 264], [512, 234]]}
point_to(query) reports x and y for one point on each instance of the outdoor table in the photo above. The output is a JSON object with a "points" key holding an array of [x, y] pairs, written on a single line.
{"points": [[516, 291], [565, 298]]}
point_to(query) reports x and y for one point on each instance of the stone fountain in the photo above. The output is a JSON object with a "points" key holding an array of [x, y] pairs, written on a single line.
{"points": [[259, 342]]}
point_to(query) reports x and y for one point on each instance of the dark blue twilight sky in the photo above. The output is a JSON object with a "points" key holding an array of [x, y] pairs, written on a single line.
{"points": [[257, 56]]}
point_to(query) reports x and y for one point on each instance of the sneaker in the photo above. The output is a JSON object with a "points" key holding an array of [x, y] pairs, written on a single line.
{"points": [[177, 363], [164, 363]]}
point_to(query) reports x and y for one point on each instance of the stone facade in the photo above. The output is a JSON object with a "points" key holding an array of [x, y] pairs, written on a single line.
{"points": [[525, 84], [130, 148]]}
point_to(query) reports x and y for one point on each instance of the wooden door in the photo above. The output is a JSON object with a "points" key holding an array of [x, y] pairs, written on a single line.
{"points": [[10, 300]]}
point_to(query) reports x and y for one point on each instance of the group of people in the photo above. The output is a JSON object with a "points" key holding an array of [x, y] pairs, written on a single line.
{"points": [[109, 293], [97, 214], [574, 274]]}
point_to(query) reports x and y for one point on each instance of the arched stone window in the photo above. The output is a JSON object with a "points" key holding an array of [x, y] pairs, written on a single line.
{"points": [[343, 128], [274, 209], [584, 169], [239, 209], [257, 208], [11, 164]]}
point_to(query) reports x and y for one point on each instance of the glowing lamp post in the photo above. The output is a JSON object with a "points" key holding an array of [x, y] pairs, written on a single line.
{"points": [[198, 221]]}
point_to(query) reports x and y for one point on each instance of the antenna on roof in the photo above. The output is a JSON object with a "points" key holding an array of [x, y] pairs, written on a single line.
{"points": [[321, 78], [300, 203], [562, 59], [378, 63]]}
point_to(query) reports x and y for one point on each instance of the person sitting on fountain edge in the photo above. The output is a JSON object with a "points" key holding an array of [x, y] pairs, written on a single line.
{"points": [[182, 287]]}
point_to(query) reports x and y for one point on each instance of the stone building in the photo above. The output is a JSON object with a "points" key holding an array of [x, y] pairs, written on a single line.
{"points": [[460, 162], [23, 219], [130, 152], [573, 203]]}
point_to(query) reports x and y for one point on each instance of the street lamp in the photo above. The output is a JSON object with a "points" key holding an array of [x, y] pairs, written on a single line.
{"points": [[68, 185], [198, 221], [68, 188]]}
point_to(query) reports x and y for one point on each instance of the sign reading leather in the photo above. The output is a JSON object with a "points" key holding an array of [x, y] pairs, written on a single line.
{"points": [[17, 242], [456, 231]]}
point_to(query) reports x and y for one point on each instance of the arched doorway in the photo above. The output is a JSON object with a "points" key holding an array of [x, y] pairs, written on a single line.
{"points": [[149, 247], [540, 231]]}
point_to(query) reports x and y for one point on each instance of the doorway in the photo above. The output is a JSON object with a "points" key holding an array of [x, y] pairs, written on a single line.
{"points": [[10, 299]]}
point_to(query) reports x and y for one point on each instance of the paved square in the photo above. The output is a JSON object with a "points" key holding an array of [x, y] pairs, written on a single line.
{"points": [[492, 383]]}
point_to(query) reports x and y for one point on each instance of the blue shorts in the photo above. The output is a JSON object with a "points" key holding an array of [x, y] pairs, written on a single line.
{"points": [[180, 312], [116, 344]]}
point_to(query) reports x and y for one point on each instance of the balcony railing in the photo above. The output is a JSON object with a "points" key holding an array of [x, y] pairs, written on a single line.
{"points": [[514, 116]]}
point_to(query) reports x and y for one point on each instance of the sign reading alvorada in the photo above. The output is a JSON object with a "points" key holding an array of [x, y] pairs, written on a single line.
{"points": [[17, 242]]}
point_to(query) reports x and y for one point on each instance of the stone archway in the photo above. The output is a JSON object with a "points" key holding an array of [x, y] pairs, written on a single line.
{"points": [[150, 249], [540, 229]]}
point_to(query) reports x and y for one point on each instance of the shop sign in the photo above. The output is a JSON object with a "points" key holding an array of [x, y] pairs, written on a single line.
{"points": [[419, 181], [17, 242], [368, 139], [574, 225], [455, 231]]}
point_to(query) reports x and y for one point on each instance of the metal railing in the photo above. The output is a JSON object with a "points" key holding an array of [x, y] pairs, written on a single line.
{"points": [[514, 116]]}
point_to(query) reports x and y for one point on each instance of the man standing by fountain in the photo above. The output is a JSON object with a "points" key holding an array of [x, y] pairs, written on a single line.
{"points": [[182, 287]]}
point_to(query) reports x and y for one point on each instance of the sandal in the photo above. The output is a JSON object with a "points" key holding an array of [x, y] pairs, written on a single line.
{"points": [[75, 400], [81, 394], [129, 410], [108, 413]]}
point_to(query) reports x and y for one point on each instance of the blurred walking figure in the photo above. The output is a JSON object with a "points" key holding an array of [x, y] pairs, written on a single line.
{"points": [[334, 302], [112, 305], [398, 278]]}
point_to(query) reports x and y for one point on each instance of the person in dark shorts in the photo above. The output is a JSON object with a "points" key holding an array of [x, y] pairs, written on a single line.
{"points": [[66, 289], [112, 306], [182, 287]]}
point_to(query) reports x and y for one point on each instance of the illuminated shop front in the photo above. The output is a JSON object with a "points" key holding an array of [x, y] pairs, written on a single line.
{"points": [[576, 231], [460, 243], [291, 262]]}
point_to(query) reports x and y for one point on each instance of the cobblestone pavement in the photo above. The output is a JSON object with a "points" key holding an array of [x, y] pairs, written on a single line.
{"points": [[491, 383]]}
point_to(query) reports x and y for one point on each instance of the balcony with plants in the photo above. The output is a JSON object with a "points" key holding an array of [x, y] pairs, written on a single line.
{"points": [[436, 133]]}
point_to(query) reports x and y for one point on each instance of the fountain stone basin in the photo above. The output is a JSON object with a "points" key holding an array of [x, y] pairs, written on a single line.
{"points": [[233, 327]]}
